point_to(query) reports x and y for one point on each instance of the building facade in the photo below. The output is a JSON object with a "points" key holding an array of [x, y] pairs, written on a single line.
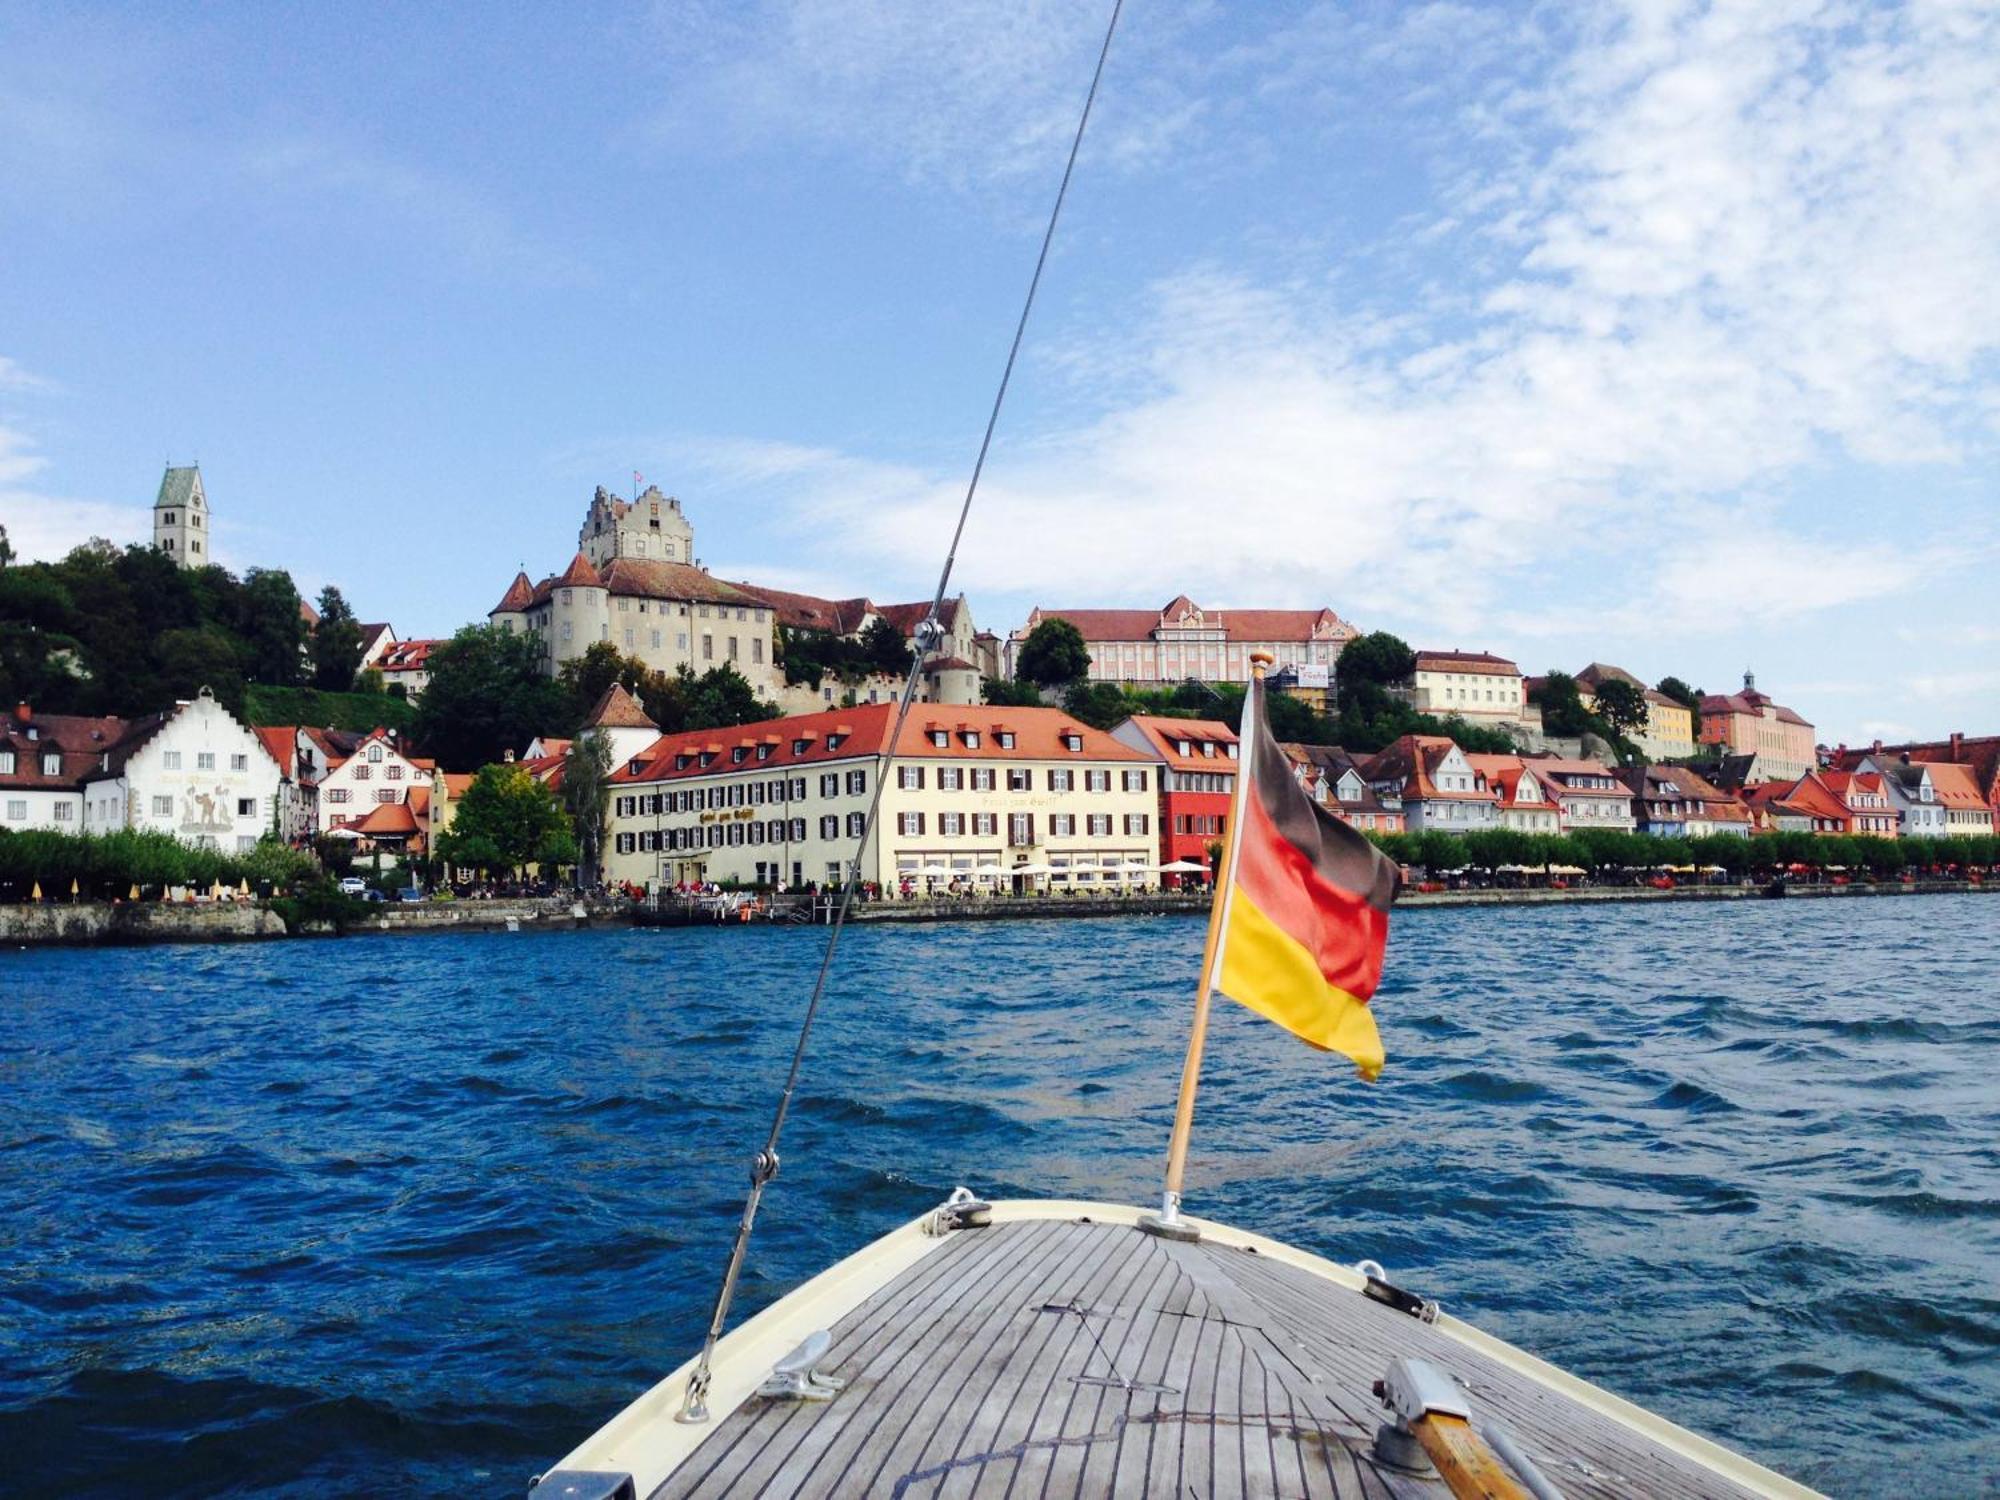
{"points": [[993, 797], [1474, 685], [1527, 804], [1333, 778], [1751, 723], [1183, 641], [375, 773], [1194, 771], [1589, 793], [1439, 789], [194, 772]]}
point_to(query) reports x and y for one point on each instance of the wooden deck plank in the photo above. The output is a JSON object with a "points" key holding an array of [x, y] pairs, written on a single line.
{"points": [[1165, 1369]]}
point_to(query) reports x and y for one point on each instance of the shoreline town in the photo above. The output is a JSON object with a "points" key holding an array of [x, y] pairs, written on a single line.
{"points": [[679, 738]]}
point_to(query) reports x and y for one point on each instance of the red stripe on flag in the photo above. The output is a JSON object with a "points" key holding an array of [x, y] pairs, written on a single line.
{"points": [[1343, 931]]}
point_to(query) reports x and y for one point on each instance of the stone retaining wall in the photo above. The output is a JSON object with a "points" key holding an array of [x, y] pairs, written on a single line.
{"points": [[138, 922]]}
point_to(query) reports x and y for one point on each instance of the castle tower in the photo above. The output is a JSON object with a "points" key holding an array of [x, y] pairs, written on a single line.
{"points": [[652, 526], [181, 518]]}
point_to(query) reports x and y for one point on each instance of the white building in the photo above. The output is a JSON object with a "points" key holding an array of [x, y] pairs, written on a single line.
{"points": [[1920, 812], [1477, 686], [181, 518], [376, 772], [977, 795], [1439, 788], [1183, 640], [43, 759], [194, 772]]}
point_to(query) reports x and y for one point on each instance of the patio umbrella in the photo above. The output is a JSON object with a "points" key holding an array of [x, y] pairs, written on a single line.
{"points": [[1030, 870], [135, 894], [1183, 867], [36, 894], [72, 888], [937, 872]]}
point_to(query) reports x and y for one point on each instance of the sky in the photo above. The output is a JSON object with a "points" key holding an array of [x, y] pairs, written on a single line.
{"points": [[1653, 333]]}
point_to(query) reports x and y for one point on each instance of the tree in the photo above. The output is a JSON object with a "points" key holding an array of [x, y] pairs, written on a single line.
{"points": [[1053, 655], [718, 697], [487, 695], [203, 657], [1621, 705], [1561, 705], [1369, 666], [884, 650], [586, 797], [585, 678], [1013, 694], [6, 548], [1680, 692], [1098, 704], [506, 820], [336, 643], [271, 627]]}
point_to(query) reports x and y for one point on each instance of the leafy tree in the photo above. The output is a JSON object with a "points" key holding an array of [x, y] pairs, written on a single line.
{"points": [[271, 629], [204, 657], [718, 697], [585, 678], [1561, 705], [6, 548], [1680, 692], [1010, 692], [586, 797], [1621, 705], [487, 695], [336, 643], [1368, 667], [1098, 704], [505, 821], [1053, 655], [885, 651]]}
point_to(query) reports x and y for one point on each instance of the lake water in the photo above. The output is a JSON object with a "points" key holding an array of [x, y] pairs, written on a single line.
{"points": [[415, 1215]]}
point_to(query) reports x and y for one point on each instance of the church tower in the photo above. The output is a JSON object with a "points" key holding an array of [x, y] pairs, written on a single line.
{"points": [[181, 518]]}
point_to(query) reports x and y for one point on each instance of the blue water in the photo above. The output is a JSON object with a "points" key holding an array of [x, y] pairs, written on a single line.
{"points": [[414, 1215]]}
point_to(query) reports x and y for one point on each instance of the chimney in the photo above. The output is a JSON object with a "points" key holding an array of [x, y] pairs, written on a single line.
{"points": [[1957, 743], [1878, 749], [1906, 757]]}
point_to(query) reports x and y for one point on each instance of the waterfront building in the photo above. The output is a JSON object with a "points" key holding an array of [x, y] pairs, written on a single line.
{"points": [[293, 821], [618, 716], [193, 771], [1865, 795], [407, 663], [1978, 755], [1477, 686], [1527, 804], [1588, 792], [1195, 774], [181, 518], [955, 658], [1669, 730], [446, 787], [1751, 722], [1183, 641], [1333, 778], [43, 760], [1675, 802], [1437, 786], [1966, 812], [375, 772], [978, 796]]}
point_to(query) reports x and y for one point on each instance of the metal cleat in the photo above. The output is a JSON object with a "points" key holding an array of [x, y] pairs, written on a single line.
{"points": [[796, 1376]]}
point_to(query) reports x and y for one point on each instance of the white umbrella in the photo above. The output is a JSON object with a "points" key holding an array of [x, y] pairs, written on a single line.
{"points": [[1031, 870], [342, 833], [1183, 867], [937, 872]]}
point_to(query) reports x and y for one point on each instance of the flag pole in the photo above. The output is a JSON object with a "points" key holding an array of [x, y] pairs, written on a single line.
{"points": [[1168, 1221]]}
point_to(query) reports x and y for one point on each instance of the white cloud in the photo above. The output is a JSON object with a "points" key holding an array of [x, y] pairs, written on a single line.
{"points": [[1733, 245]]}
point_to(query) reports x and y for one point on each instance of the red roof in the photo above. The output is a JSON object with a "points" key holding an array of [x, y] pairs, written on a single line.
{"points": [[863, 730], [407, 656], [1165, 736], [1411, 762], [579, 574], [520, 594], [618, 709], [1484, 662], [809, 611], [1240, 625], [387, 820], [282, 740]]}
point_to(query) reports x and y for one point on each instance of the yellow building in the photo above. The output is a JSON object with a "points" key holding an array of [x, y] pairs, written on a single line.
{"points": [[1669, 729], [982, 798], [1474, 685]]}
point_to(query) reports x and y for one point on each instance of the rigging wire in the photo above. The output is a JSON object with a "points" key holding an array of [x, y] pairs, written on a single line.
{"points": [[764, 1166]]}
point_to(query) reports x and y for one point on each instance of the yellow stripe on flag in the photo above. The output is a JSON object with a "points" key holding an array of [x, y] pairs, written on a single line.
{"points": [[1273, 974]]}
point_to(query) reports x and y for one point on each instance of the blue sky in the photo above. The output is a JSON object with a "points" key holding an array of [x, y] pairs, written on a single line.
{"points": [[1655, 333]]}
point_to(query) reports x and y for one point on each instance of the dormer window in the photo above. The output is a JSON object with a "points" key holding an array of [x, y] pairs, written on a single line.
{"points": [[1072, 741], [682, 762], [738, 756], [940, 739], [763, 752], [6, 762], [1208, 749], [52, 765], [1232, 751], [1006, 739], [1181, 747], [971, 738], [835, 741], [707, 756], [799, 747]]}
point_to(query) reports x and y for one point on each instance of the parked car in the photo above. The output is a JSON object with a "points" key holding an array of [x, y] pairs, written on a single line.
{"points": [[352, 885], [373, 895], [410, 893]]}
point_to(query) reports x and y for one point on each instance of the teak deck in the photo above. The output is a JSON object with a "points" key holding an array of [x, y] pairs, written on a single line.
{"points": [[1078, 1357]]}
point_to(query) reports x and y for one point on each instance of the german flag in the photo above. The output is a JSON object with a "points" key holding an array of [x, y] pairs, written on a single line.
{"points": [[1303, 915]]}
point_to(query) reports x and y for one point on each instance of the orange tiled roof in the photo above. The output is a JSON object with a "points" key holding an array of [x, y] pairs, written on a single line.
{"points": [[1482, 662], [387, 819], [282, 740], [1165, 734], [864, 731], [1237, 625], [520, 594], [618, 709]]}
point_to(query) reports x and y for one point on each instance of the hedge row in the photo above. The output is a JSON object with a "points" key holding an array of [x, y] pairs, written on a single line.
{"points": [[107, 866], [1606, 850]]}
